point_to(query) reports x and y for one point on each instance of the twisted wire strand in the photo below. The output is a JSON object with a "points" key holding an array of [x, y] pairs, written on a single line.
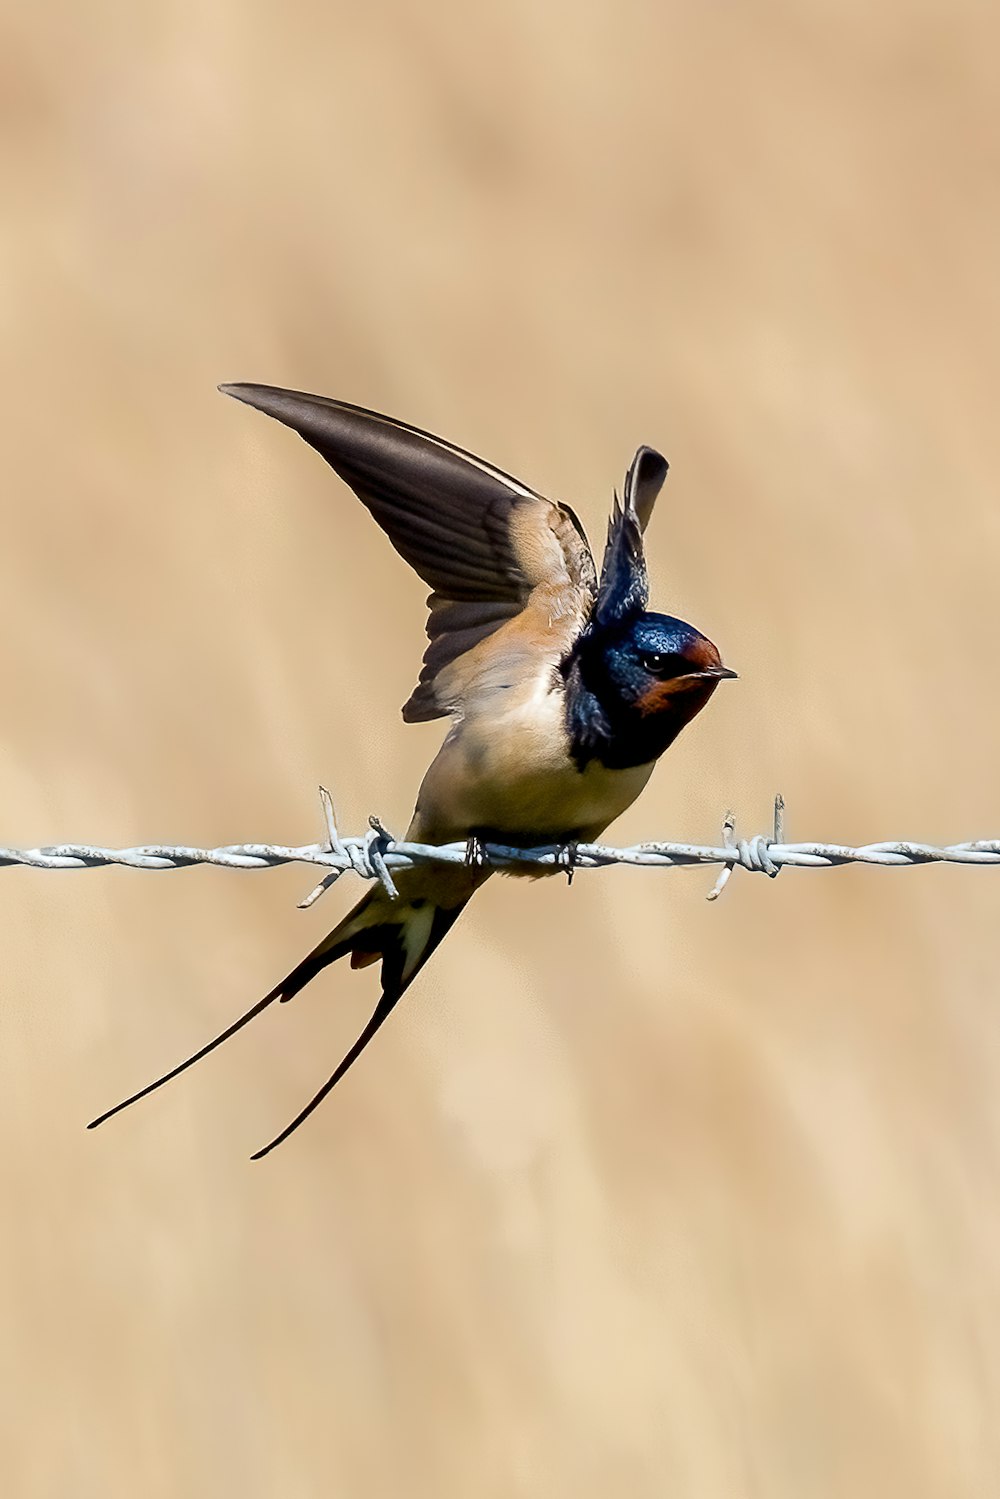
{"points": [[403, 855], [377, 854]]}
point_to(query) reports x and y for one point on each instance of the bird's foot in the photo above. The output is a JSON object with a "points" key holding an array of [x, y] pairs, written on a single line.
{"points": [[568, 857], [475, 852]]}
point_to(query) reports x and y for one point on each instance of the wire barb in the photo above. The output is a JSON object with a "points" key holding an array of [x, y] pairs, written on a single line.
{"points": [[336, 847], [377, 842]]}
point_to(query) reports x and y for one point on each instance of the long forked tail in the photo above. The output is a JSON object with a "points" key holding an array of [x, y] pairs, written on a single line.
{"points": [[402, 933]]}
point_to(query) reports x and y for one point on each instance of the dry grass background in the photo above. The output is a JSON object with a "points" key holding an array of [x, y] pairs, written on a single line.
{"points": [[636, 1195]]}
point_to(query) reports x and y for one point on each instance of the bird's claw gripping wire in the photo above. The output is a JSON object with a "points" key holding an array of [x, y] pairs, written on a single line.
{"points": [[568, 858], [475, 852]]}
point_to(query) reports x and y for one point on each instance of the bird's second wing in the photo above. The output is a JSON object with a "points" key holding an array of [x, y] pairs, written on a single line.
{"points": [[483, 541], [624, 587]]}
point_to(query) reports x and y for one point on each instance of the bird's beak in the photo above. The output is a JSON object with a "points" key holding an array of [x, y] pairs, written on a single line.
{"points": [[710, 674], [707, 674]]}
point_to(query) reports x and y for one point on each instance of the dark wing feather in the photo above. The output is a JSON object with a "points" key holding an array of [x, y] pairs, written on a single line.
{"points": [[481, 539], [624, 588], [643, 482]]}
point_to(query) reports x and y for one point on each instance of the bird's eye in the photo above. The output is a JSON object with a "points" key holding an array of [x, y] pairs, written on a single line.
{"points": [[665, 664]]}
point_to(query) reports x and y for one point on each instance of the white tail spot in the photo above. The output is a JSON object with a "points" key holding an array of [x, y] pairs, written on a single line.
{"points": [[416, 934]]}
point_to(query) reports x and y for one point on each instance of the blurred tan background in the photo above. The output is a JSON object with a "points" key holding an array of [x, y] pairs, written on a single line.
{"points": [[636, 1195]]}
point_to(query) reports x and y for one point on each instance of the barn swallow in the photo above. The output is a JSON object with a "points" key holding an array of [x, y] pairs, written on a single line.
{"points": [[562, 690]]}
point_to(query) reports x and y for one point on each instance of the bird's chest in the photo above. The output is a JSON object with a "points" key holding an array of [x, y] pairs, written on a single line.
{"points": [[510, 771]]}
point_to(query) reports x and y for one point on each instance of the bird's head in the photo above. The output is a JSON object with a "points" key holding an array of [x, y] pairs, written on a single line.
{"points": [[658, 664], [644, 678]]}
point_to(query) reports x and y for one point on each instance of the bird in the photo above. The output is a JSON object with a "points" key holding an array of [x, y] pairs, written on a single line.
{"points": [[561, 688]]}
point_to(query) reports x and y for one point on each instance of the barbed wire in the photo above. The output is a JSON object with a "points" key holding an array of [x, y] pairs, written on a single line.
{"points": [[377, 854]]}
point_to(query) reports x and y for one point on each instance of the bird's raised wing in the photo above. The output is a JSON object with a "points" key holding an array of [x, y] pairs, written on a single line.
{"points": [[483, 541], [624, 586]]}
